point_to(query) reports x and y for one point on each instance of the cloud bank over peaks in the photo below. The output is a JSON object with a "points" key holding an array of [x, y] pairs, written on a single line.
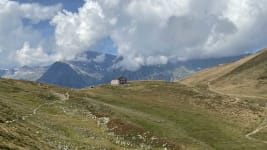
{"points": [[151, 32], [77, 32], [145, 32]]}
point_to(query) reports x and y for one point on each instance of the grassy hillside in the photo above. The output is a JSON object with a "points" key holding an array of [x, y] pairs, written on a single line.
{"points": [[244, 80], [193, 117], [248, 74], [141, 115], [38, 116]]}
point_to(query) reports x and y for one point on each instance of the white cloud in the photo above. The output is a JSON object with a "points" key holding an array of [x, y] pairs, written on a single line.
{"points": [[14, 33], [28, 55], [76, 32], [146, 32], [153, 31], [100, 58], [36, 12]]}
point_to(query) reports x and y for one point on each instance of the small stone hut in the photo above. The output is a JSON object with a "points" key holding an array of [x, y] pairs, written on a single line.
{"points": [[119, 81]]}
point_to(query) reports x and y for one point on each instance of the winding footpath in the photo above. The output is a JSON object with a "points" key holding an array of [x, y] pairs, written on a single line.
{"points": [[260, 127], [62, 98]]}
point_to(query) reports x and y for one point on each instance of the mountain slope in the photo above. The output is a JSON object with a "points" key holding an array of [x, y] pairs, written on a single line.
{"points": [[40, 116], [248, 74], [244, 81], [62, 74], [194, 117], [148, 114]]}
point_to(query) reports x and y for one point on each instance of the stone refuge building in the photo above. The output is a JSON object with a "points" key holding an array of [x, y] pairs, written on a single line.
{"points": [[119, 81]]}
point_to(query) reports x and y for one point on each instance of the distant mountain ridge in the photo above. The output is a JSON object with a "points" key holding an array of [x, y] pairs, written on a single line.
{"points": [[24, 73], [92, 71], [98, 68]]}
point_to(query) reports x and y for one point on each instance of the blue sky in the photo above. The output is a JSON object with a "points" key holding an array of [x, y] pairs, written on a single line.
{"points": [[71, 5], [44, 26], [104, 45], [143, 32]]}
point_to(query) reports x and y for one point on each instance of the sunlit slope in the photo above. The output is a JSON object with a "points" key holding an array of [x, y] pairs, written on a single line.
{"points": [[244, 80], [39, 116], [247, 75], [193, 117], [140, 115]]}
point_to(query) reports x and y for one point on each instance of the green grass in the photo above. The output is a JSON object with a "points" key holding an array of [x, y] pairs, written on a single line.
{"points": [[179, 113], [174, 113], [262, 135], [50, 127]]}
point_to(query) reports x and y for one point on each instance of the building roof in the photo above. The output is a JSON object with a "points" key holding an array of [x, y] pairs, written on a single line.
{"points": [[121, 78]]}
